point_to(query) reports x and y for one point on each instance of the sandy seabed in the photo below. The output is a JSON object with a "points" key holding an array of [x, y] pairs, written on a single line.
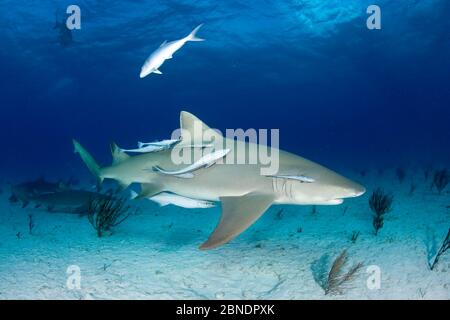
{"points": [[154, 254]]}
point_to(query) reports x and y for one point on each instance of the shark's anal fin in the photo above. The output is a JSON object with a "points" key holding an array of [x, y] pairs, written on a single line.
{"points": [[238, 213], [149, 190]]}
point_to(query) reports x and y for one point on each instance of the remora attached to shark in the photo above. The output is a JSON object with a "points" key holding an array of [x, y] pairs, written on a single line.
{"points": [[245, 194]]}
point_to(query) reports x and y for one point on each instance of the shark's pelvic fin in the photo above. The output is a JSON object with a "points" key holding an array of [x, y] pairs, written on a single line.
{"points": [[117, 154], [196, 132], [149, 190], [238, 213], [122, 185]]}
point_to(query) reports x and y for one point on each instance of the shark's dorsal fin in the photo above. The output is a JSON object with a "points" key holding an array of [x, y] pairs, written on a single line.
{"points": [[196, 132], [238, 213], [117, 154], [162, 44]]}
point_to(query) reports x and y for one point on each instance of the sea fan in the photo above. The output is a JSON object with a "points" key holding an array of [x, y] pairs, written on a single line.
{"points": [[337, 279], [380, 203], [440, 180], [106, 213], [444, 247]]}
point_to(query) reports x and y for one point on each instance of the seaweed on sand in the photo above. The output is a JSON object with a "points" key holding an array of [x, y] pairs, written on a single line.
{"points": [[441, 179], [336, 280], [444, 247], [380, 203], [106, 213], [279, 215], [31, 224], [355, 236]]}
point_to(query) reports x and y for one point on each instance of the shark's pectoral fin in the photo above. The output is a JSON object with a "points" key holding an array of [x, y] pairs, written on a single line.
{"points": [[157, 71], [149, 190], [238, 213]]}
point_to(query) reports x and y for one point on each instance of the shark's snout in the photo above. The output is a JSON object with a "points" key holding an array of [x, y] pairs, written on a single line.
{"points": [[354, 190]]}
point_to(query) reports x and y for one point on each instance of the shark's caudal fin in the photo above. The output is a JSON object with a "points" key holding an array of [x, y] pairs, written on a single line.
{"points": [[238, 213], [196, 132], [92, 165], [193, 35]]}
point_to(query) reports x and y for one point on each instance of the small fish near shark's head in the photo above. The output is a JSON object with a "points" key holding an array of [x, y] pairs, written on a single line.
{"points": [[336, 188], [319, 187]]}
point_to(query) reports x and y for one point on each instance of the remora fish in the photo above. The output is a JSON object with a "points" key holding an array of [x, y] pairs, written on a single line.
{"points": [[144, 147], [166, 198], [165, 52], [245, 194], [163, 143], [206, 161]]}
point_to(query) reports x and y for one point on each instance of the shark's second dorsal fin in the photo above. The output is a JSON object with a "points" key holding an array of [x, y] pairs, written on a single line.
{"points": [[118, 155], [196, 132], [238, 213]]}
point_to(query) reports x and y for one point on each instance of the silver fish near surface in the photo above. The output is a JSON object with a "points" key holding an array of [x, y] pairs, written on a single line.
{"points": [[166, 51]]}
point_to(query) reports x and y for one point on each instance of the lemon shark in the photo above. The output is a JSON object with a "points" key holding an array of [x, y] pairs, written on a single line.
{"points": [[243, 191]]}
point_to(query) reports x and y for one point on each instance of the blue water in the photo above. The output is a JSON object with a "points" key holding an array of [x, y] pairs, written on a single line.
{"points": [[341, 94]]}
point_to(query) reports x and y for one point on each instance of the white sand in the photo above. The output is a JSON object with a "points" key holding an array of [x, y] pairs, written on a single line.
{"points": [[154, 254]]}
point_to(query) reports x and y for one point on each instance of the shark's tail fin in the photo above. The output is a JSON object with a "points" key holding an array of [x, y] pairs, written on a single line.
{"points": [[193, 35], [92, 165]]}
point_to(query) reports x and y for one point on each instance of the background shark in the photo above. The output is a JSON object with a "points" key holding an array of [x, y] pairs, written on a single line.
{"points": [[244, 193]]}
